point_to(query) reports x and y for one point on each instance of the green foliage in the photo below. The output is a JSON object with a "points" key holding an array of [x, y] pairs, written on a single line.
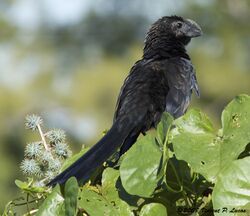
{"points": [[212, 151], [53, 204], [71, 195], [233, 186], [187, 168], [133, 179], [153, 209]]}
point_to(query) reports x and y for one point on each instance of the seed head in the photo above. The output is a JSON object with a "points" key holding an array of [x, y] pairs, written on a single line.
{"points": [[32, 121]]}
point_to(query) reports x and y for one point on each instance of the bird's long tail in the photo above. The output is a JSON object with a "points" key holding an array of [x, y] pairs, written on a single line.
{"points": [[99, 153]]}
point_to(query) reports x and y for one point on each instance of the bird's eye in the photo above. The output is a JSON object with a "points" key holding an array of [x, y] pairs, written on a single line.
{"points": [[179, 25]]}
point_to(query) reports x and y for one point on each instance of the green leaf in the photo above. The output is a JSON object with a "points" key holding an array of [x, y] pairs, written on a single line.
{"points": [[71, 195], [53, 204], [28, 187], [245, 208], [140, 166], [232, 189], [110, 191], [195, 142], [164, 126], [22, 185], [236, 132], [153, 209], [195, 122], [95, 204], [109, 177]]}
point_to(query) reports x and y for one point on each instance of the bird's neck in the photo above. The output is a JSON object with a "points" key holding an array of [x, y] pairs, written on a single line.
{"points": [[160, 47]]}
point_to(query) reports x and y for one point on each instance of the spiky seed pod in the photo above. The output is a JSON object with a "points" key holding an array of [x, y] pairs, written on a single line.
{"points": [[30, 167], [61, 149], [45, 157], [32, 121], [55, 165], [56, 136], [40, 174], [33, 150]]}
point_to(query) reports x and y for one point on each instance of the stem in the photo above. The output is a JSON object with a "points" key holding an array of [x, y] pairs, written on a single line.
{"points": [[181, 186], [165, 148], [173, 190], [33, 211], [27, 203], [204, 204], [165, 151], [166, 158], [43, 137]]}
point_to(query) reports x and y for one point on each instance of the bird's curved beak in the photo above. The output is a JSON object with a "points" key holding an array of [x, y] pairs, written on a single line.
{"points": [[194, 30]]}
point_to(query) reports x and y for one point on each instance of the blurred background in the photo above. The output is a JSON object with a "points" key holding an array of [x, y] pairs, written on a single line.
{"points": [[66, 61]]}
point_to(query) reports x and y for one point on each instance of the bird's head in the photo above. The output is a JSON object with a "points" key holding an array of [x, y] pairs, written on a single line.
{"points": [[176, 27]]}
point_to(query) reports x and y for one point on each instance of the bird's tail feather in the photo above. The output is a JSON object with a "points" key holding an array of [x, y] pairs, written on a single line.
{"points": [[99, 153]]}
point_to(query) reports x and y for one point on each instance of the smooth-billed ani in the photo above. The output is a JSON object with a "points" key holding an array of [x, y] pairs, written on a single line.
{"points": [[163, 80]]}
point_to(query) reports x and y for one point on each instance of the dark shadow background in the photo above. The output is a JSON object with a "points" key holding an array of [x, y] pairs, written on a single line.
{"points": [[66, 61]]}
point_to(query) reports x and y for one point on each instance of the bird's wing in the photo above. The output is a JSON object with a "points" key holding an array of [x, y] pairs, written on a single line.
{"points": [[131, 94], [143, 95], [181, 81]]}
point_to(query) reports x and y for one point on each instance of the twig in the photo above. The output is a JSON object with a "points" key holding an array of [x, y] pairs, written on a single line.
{"points": [[204, 204], [43, 138], [24, 203], [27, 203], [33, 211]]}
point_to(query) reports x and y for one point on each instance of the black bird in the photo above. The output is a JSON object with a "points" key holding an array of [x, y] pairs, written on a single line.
{"points": [[163, 80]]}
